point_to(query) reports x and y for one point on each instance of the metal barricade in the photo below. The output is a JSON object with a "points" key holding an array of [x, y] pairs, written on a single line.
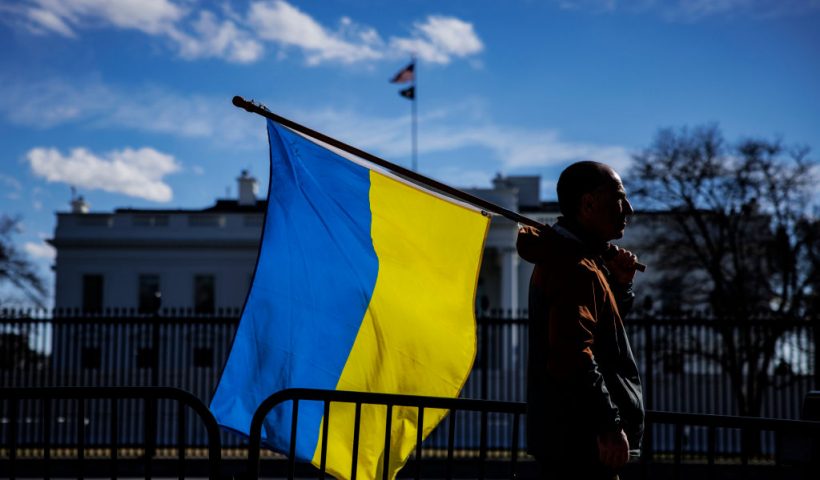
{"points": [[483, 407], [749, 432], [49, 407], [698, 454]]}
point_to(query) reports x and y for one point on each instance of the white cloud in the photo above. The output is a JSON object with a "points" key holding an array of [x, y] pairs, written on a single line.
{"points": [[133, 172], [49, 103], [694, 10], [43, 20], [11, 187], [10, 183], [46, 103], [203, 36], [596, 6], [218, 39], [710, 7], [439, 39], [446, 130], [215, 119], [451, 35], [149, 16], [286, 25], [523, 148], [40, 250], [530, 148], [462, 177], [226, 34]]}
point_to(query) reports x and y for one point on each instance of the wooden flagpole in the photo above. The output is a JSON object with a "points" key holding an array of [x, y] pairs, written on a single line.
{"points": [[398, 169], [260, 109]]}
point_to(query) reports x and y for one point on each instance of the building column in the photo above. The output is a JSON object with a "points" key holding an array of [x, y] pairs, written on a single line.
{"points": [[508, 340], [509, 279]]}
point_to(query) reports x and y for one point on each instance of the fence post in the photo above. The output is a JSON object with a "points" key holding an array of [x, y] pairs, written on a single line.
{"points": [[485, 374], [816, 333], [151, 427], [649, 351]]}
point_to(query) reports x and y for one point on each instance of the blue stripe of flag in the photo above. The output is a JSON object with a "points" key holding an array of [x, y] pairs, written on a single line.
{"points": [[315, 274]]}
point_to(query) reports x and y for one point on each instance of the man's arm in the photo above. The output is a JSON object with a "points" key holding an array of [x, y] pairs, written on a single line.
{"points": [[572, 323], [531, 244], [613, 448], [622, 266]]}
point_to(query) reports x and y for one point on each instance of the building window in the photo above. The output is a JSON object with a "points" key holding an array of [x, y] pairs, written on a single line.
{"points": [[254, 220], [203, 357], [204, 293], [149, 293], [200, 220], [92, 293], [90, 358], [95, 220], [150, 220]]}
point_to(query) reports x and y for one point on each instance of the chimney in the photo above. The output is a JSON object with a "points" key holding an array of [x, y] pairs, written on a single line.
{"points": [[499, 181], [247, 189], [78, 203]]}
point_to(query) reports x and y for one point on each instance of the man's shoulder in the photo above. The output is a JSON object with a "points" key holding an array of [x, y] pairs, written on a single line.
{"points": [[543, 246], [574, 271], [586, 270]]}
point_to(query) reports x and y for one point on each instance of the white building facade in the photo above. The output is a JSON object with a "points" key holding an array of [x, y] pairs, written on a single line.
{"points": [[197, 259], [203, 260]]}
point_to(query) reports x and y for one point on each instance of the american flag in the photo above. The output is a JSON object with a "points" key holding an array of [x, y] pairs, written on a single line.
{"points": [[405, 75]]}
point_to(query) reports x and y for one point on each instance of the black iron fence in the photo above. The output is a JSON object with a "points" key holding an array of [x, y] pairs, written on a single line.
{"points": [[795, 452], [679, 359]]}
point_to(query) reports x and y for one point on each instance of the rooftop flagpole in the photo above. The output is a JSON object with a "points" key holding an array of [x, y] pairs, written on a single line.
{"points": [[409, 74], [260, 109], [415, 118]]}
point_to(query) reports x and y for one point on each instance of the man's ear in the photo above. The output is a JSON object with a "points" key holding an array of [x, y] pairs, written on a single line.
{"points": [[587, 204]]}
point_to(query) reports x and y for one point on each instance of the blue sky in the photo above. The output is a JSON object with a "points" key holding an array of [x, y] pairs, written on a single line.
{"points": [[129, 100]]}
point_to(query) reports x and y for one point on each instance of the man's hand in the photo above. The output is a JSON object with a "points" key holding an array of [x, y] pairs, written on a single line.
{"points": [[622, 265], [613, 449]]}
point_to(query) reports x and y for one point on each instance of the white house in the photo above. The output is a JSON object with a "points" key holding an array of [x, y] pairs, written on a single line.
{"points": [[203, 259], [198, 259]]}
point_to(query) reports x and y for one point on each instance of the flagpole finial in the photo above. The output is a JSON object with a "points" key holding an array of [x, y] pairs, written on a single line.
{"points": [[240, 102], [249, 106]]}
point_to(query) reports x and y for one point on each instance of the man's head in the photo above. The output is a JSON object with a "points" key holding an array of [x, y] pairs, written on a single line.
{"points": [[592, 195]]}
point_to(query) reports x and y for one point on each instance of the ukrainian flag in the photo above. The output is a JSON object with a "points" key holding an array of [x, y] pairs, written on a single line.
{"points": [[364, 282]]}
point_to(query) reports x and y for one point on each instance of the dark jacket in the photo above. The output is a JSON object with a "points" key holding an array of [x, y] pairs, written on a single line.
{"points": [[582, 376]]}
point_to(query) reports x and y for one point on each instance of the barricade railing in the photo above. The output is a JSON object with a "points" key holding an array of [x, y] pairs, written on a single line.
{"points": [[48, 397], [454, 405], [796, 442]]}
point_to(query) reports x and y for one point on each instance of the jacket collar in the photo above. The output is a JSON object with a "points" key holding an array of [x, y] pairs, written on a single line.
{"points": [[571, 230]]}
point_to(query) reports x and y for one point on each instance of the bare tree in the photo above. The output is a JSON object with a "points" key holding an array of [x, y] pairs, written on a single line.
{"points": [[16, 269], [16, 352], [737, 235]]}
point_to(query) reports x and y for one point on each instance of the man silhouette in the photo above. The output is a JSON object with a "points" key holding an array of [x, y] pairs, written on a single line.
{"points": [[585, 407]]}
